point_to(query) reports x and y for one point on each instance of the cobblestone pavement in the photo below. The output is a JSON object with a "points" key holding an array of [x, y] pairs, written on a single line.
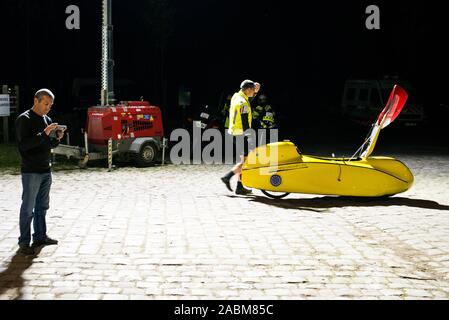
{"points": [[175, 232]]}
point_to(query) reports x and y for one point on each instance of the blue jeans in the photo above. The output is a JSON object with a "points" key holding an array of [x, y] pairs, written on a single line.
{"points": [[35, 203]]}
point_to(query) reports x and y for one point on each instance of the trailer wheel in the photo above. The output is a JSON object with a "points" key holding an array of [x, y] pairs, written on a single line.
{"points": [[275, 195], [146, 155]]}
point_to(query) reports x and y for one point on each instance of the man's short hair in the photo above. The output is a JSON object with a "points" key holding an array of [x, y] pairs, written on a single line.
{"points": [[43, 92], [246, 84]]}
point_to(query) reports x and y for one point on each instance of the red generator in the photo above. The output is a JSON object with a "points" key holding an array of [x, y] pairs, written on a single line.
{"points": [[130, 130], [135, 128]]}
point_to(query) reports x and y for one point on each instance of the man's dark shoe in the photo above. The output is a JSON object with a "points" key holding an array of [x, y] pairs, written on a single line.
{"points": [[26, 250], [242, 191], [46, 242], [226, 182]]}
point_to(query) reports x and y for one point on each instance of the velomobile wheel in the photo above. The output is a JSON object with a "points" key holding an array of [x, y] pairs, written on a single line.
{"points": [[275, 195]]}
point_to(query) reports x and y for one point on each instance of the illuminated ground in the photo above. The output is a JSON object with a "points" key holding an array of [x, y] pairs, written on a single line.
{"points": [[176, 232]]}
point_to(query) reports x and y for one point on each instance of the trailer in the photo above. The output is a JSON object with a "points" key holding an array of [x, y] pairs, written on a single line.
{"points": [[129, 130]]}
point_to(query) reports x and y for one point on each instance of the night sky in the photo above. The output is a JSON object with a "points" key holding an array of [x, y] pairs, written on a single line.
{"points": [[301, 52]]}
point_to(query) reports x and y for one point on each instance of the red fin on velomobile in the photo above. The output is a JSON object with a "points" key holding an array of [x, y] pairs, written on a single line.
{"points": [[393, 108]]}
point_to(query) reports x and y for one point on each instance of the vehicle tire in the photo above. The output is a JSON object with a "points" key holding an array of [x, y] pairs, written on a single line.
{"points": [[146, 155], [385, 197], [275, 195]]}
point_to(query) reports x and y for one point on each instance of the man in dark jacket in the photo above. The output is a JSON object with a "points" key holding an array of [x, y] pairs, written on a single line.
{"points": [[36, 136]]}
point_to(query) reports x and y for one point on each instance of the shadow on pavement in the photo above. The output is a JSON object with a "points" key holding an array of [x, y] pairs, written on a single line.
{"points": [[12, 277], [326, 202]]}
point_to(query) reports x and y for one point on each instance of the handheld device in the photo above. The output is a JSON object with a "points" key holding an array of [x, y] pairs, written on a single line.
{"points": [[60, 127]]}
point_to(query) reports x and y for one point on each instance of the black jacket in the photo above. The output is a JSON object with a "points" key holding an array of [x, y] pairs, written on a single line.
{"points": [[34, 145]]}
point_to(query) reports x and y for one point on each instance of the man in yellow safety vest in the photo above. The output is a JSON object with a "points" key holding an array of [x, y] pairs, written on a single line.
{"points": [[240, 120]]}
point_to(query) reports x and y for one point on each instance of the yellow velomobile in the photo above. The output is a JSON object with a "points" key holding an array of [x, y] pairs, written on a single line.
{"points": [[278, 169]]}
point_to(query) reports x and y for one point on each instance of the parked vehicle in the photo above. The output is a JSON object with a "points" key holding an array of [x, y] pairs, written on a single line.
{"points": [[363, 99], [131, 130], [280, 168]]}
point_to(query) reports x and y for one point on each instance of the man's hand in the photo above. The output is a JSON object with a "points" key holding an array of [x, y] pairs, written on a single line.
{"points": [[60, 134], [50, 128]]}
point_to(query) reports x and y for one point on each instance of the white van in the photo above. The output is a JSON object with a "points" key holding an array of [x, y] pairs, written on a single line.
{"points": [[363, 99]]}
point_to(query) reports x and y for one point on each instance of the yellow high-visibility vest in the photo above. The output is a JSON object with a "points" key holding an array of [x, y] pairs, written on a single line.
{"points": [[225, 112], [257, 112], [239, 106]]}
